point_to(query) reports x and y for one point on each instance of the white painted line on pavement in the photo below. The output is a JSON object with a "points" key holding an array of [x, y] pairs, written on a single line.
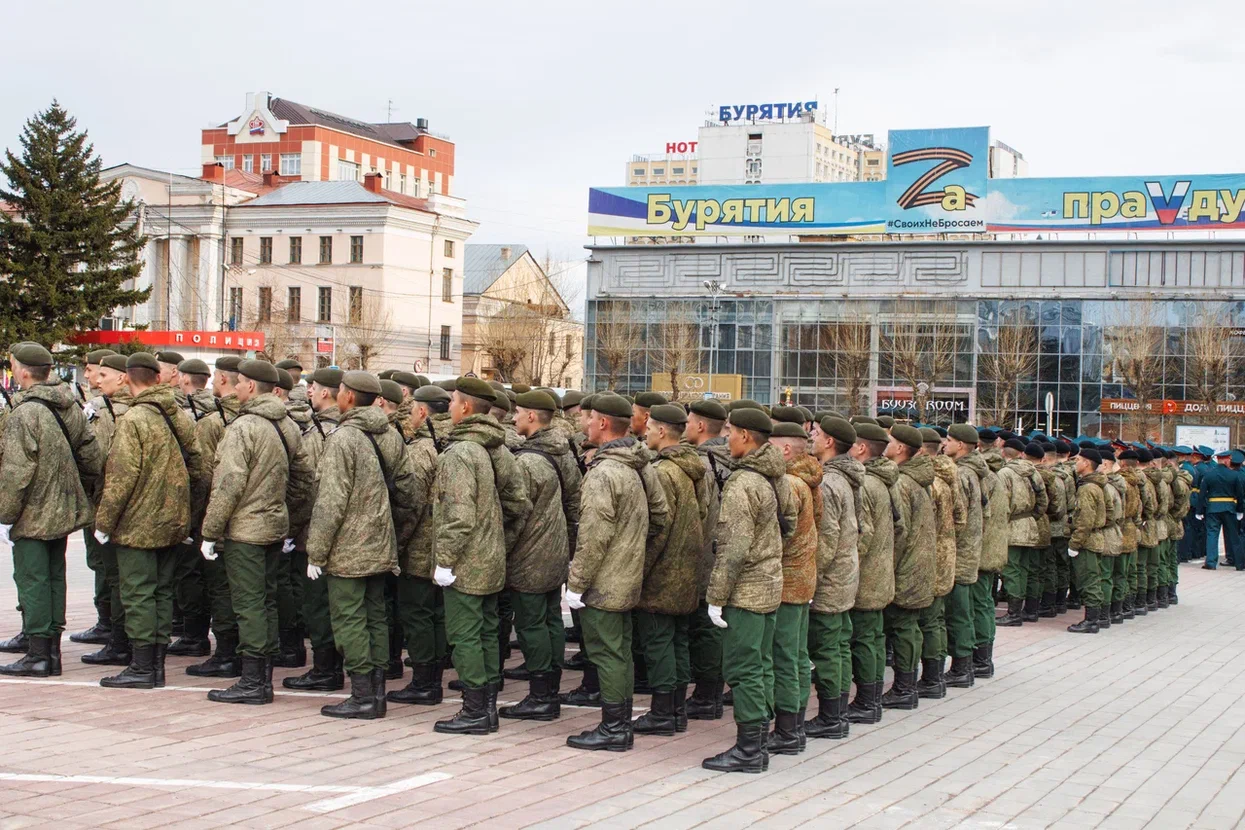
{"points": [[363, 794], [94, 684]]}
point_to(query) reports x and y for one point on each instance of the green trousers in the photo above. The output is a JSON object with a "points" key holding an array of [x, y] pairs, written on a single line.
{"points": [[663, 642], [220, 603], [1139, 579], [748, 663], [360, 629], [112, 574], [315, 603], [147, 593], [1115, 582], [903, 630], [704, 645], [983, 607], [471, 627], [418, 601], [1131, 561], [1087, 572], [1055, 567], [933, 623], [1170, 569], [830, 650], [39, 571], [792, 670], [1022, 576], [188, 585], [102, 593], [252, 572], [868, 646], [607, 641], [1154, 562], [289, 606], [958, 626], [538, 626]]}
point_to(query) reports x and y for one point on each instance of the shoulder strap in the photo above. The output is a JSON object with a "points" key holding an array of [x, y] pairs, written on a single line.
{"points": [[169, 421], [579, 461], [316, 421], [284, 443], [384, 468], [783, 524], [59, 422], [556, 469]]}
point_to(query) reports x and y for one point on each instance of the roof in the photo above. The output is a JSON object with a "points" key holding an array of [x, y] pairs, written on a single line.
{"points": [[399, 134], [333, 193], [483, 265], [253, 182]]}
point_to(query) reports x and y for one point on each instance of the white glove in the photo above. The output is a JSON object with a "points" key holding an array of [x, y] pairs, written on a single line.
{"points": [[101, 537], [715, 616], [1073, 553], [574, 600], [4, 534], [313, 572], [89, 412], [1200, 517], [209, 550], [288, 547], [189, 540], [1240, 516], [444, 577]]}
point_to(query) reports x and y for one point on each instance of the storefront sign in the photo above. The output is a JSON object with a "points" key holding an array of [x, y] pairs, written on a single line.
{"points": [[764, 112], [940, 402], [1126, 406], [724, 387], [681, 147], [230, 341]]}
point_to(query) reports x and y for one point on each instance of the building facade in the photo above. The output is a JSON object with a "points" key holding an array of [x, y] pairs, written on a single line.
{"points": [[663, 168], [775, 152]]}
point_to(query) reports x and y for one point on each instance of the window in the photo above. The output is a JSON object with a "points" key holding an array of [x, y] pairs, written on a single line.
{"points": [[356, 249], [553, 343], [432, 153], [265, 304], [415, 185], [296, 250], [676, 171], [324, 308], [326, 250], [294, 305], [445, 342], [871, 163], [291, 164], [347, 171], [447, 285], [248, 164], [637, 171], [265, 162], [225, 161], [235, 306], [265, 250], [659, 171], [356, 305], [693, 168], [449, 248], [570, 347], [402, 183], [235, 250]]}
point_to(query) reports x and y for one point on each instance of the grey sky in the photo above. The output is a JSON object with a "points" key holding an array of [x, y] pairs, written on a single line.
{"points": [[546, 99]]}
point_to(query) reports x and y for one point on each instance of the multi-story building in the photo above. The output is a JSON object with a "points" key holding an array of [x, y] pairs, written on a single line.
{"points": [[1006, 162], [775, 152], [663, 169]]}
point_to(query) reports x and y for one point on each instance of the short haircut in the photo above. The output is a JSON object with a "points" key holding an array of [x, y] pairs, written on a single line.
{"points": [[363, 398], [232, 377], [758, 438], [673, 429], [875, 448], [477, 406], [39, 373], [712, 425], [197, 381], [616, 425], [437, 407], [1011, 452], [263, 387], [543, 416], [143, 376], [839, 447]]}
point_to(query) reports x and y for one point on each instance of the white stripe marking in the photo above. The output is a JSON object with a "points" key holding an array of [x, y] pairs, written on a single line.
{"points": [[328, 805], [94, 684]]}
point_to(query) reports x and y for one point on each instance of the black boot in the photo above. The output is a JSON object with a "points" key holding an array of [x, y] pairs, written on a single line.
{"points": [[519, 673], [680, 708], [1139, 604], [659, 719], [640, 674], [831, 720], [457, 685], [325, 674], [115, 653], [728, 698], [902, 693], [1013, 617], [395, 670], [250, 686], [612, 735], [361, 705], [932, 685], [867, 707], [588, 692], [1074, 599], [983, 661], [540, 704], [1129, 613], [1046, 609], [1061, 601], [19, 644], [1162, 596], [800, 729], [98, 634], [961, 674], [1152, 599], [785, 739], [157, 663], [54, 655], [292, 653], [378, 692], [574, 634], [1030, 612], [472, 718], [1104, 617], [890, 655], [224, 663], [1089, 625], [424, 688], [36, 663], [1117, 612], [494, 720], [140, 674], [576, 662], [194, 642], [706, 701], [1172, 599], [747, 755]]}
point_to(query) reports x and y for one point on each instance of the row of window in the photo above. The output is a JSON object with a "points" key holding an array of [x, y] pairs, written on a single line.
{"points": [[291, 163], [237, 250]]}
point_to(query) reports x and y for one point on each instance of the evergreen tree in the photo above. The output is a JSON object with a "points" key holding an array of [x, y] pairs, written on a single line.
{"points": [[67, 242]]}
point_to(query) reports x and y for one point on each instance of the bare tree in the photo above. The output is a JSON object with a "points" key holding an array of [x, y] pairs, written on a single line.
{"points": [[1208, 348], [920, 341], [367, 333], [1009, 359], [677, 350], [851, 341], [1136, 339], [271, 317], [509, 336], [618, 339]]}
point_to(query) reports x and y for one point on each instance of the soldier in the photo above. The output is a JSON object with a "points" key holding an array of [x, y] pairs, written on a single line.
{"points": [[168, 361], [1055, 524], [502, 411], [1182, 482], [1218, 498], [1088, 540], [1026, 499], [838, 575], [1131, 529], [259, 499], [1056, 579], [49, 468], [995, 526], [193, 376], [480, 499], [970, 476], [568, 417], [351, 540], [299, 394], [407, 383], [1114, 567], [1160, 477], [292, 633], [949, 517]]}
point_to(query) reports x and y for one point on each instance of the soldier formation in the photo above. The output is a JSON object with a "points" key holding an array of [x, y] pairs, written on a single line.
{"points": [[776, 551]]}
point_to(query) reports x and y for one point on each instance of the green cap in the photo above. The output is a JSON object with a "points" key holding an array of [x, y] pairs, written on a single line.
{"points": [[573, 397], [909, 435], [607, 403], [364, 382], [536, 400], [289, 363], [838, 429], [328, 377], [391, 392], [752, 419], [787, 429], [96, 356], [169, 357], [965, 433], [423, 380], [520, 388], [930, 436], [476, 388], [650, 399], [407, 379], [743, 403], [886, 421], [385, 374], [806, 412], [194, 366], [551, 393], [871, 432], [497, 385], [430, 392], [511, 394], [284, 380], [585, 405], [116, 362], [863, 419], [141, 360], [449, 384], [32, 354], [787, 414], [668, 413], [502, 401], [260, 370], [228, 363], [709, 409]]}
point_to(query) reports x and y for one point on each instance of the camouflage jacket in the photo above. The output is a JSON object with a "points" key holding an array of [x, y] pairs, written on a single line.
{"points": [[439, 426], [670, 585], [838, 563], [299, 393], [799, 551], [201, 404], [877, 536], [417, 559], [262, 486], [300, 414], [403, 418], [622, 511], [970, 474], [915, 535], [479, 501], [709, 530], [407, 499], [1056, 517], [146, 499], [1089, 520], [1114, 491], [1182, 481], [948, 518], [47, 481], [1026, 499], [539, 558], [1161, 479], [1131, 528], [995, 517], [748, 570], [314, 437], [1149, 535], [1062, 516], [208, 432], [104, 420], [351, 530]]}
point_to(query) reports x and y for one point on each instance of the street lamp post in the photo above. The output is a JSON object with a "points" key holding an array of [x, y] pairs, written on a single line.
{"points": [[714, 288]]}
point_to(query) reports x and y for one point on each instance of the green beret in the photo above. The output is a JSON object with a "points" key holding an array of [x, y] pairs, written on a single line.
{"points": [[476, 388], [788, 414], [502, 401], [497, 385], [116, 362], [743, 403], [871, 432], [627, 398], [384, 374], [423, 380], [328, 377], [169, 357], [806, 412], [141, 360], [364, 382], [751, 419], [96, 356], [391, 392], [289, 363], [930, 436], [863, 419], [607, 403], [520, 388], [709, 408], [965, 433], [536, 400], [406, 379], [449, 385], [650, 399], [886, 421], [228, 363], [668, 413], [430, 392], [551, 393], [909, 435], [585, 405], [32, 354], [573, 397], [788, 429], [260, 370], [838, 429], [194, 366], [511, 395], [284, 379]]}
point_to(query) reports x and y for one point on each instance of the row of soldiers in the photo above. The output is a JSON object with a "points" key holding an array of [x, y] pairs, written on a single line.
{"points": [[780, 552]]}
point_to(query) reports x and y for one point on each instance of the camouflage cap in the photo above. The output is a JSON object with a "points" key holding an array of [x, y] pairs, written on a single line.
{"points": [[32, 354], [668, 413], [96, 356], [709, 409], [260, 370], [194, 366], [406, 379], [964, 433], [430, 392], [328, 377], [535, 400], [169, 357], [141, 360], [615, 406], [116, 362], [390, 391], [572, 398], [870, 432], [284, 380], [650, 399], [476, 388], [228, 363], [289, 363], [751, 419], [838, 429], [787, 429], [364, 382]]}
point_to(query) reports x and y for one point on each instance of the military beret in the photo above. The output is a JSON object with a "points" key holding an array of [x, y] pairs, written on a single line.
{"points": [[1048, 446], [573, 397], [615, 406], [194, 366], [668, 413], [536, 400], [1073, 450], [502, 401], [787, 414], [963, 433], [141, 360], [886, 421], [260, 370], [709, 408], [1007, 435], [284, 379], [908, 435], [511, 395], [32, 354], [228, 363], [430, 392], [751, 419], [476, 388], [1014, 444], [364, 382], [1063, 446], [1129, 455], [520, 388], [423, 380], [806, 412], [838, 429], [1034, 450], [116, 362], [169, 357], [987, 434], [1091, 455], [743, 403], [650, 399], [1107, 453], [406, 379], [96, 356], [289, 363], [449, 384], [871, 432], [384, 374], [863, 419], [551, 393], [390, 391], [930, 435], [628, 399], [328, 377], [787, 429], [497, 385]]}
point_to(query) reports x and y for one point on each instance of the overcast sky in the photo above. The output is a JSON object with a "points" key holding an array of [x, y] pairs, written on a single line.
{"points": [[547, 99]]}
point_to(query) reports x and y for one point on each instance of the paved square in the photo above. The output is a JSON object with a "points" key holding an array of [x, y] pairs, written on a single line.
{"points": [[1139, 726]]}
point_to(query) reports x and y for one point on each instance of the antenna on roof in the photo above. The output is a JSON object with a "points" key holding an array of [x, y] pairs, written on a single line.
{"points": [[389, 113]]}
